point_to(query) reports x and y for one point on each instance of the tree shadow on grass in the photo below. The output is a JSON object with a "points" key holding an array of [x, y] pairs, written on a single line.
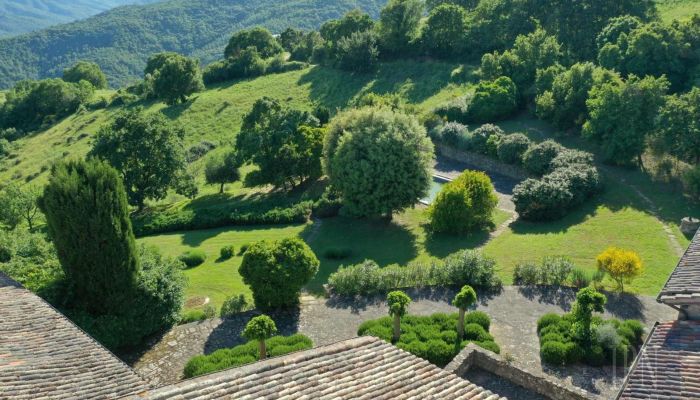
{"points": [[574, 217], [441, 245], [416, 81], [228, 333], [385, 242]]}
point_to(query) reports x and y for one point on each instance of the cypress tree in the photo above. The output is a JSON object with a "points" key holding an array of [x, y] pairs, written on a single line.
{"points": [[87, 216]]}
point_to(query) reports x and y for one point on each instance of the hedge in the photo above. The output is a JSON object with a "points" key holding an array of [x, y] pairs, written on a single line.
{"points": [[432, 338], [156, 222], [468, 267], [244, 354]]}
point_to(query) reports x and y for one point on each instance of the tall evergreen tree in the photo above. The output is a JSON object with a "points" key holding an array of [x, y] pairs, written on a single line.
{"points": [[87, 217]]}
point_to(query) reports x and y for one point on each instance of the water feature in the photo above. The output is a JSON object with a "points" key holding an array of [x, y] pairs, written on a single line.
{"points": [[435, 187]]}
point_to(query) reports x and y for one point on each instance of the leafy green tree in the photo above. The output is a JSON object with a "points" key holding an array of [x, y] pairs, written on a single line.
{"points": [[465, 204], [86, 71], [466, 4], [272, 137], [445, 30], [615, 28], [17, 204], [495, 24], [399, 25], [678, 126], [530, 53], [31, 104], [379, 160], [176, 78], [564, 103], [147, 151], [276, 271], [156, 61], [588, 300], [652, 49], [222, 168], [463, 300], [358, 52], [291, 38], [87, 217], [305, 49], [259, 38], [398, 306], [260, 328], [493, 100], [622, 117], [354, 21]]}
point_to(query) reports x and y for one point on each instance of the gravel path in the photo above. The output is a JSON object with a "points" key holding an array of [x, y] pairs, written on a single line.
{"points": [[514, 313]]}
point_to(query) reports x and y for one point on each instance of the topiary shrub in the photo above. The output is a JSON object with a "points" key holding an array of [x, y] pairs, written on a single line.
{"points": [[542, 200], [244, 354], [538, 158], [433, 338], [193, 258], [479, 139], [478, 317], [454, 134], [568, 158], [548, 320], [554, 353], [463, 205], [511, 148], [276, 271], [227, 252]]}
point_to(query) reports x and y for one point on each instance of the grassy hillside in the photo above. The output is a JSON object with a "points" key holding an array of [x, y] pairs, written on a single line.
{"points": [[121, 40], [21, 16], [677, 9], [216, 114]]}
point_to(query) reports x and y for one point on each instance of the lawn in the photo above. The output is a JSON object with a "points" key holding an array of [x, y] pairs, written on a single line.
{"points": [[400, 241], [677, 9]]}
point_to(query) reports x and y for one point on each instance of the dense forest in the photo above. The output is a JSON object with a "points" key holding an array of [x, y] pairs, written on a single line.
{"points": [[22, 16], [121, 40]]}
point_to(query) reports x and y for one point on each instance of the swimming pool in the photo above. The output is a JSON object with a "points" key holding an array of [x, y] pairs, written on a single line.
{"points": [[435, 187]]}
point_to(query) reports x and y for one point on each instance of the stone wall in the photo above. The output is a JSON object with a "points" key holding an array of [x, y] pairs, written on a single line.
{"points": [[475, 357], [485, 162]]}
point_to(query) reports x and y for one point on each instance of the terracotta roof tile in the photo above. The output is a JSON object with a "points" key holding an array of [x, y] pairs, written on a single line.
{"points": [[43, 355], [668, 366], [684, 283], [362, 368]]}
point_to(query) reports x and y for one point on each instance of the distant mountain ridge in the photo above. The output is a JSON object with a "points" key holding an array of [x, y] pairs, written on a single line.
{"points": [[121, 40], [22, 16]]}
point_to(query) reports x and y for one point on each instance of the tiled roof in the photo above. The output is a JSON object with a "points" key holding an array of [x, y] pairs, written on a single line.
{"points": [[44, 356], [684, 283], [669, 364], [360, 368]]}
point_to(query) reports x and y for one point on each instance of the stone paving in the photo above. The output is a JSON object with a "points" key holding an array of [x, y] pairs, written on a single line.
{"points": [[514, 313]]}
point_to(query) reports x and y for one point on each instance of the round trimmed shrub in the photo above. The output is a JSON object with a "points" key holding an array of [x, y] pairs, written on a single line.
{"points": [[276, 271], [477, 333], [546, 320], [489, 345], [454, 134], [594, 356], [551, 337], [439, 352], [554, 353], [465, 204], [479, 318], [574, 353], [227, 252], [479, 139], [541, 200], [538, 158], [568, 158], [511, 148], [193, 258], [637, 329]]}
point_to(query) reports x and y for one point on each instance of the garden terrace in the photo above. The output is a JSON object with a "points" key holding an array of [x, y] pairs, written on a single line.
{"points": [[44, 356], [357, 368], [668, 366]]}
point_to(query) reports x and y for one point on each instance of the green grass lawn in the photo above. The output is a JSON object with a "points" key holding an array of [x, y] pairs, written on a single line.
{"points": [[677, 9], [401, 241], [217, 279]]}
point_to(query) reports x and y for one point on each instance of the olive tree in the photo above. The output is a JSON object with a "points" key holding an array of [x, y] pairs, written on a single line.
{"points": [[398, 306], [463, 300], [276, 271], [260, 328], [379, 160], [222, 168]]}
